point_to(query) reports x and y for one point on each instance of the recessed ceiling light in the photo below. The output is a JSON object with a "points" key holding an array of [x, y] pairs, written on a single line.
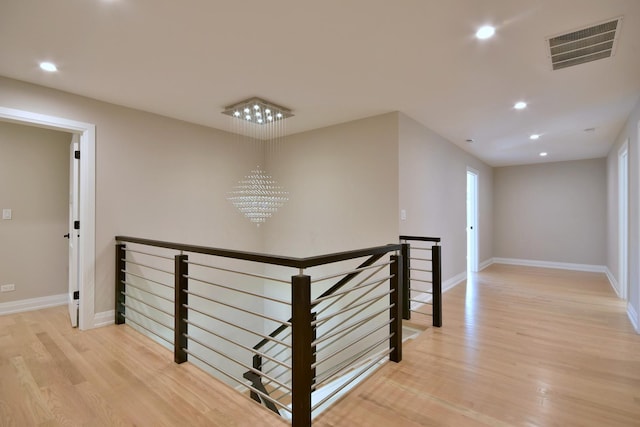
{"points": [[543, 154], [520, 105], [48, 66], [485, 32], [534, 136]]}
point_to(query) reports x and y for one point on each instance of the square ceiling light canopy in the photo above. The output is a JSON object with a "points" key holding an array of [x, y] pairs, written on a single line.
{"points": [[257, 111], [584, 45]]}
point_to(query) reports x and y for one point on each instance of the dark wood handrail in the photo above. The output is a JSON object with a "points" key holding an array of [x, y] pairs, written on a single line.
{"points": [[263, 258], [420, 238]]}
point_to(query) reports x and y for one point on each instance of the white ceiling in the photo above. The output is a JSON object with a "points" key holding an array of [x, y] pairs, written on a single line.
{"points": [[333, 61]]}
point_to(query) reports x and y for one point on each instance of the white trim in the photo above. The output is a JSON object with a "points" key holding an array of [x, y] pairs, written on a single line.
{"points": [[633, 317], [87, 133], [453, 281], [486, 263], [623, 219], [33, 304], [613, 282], [551, 264], [104, 318]]}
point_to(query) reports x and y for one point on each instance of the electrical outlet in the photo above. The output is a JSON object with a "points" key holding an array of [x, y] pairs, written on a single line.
{"points": [[6, 213], [8, 288]]}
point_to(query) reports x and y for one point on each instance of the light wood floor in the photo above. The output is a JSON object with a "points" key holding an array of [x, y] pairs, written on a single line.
{"points": [[519, 347]]}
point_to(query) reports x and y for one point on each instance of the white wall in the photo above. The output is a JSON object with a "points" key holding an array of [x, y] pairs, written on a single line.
{"points": [[552, 212], [630, 133], [156, 177], [433, 188], [34, 183]]}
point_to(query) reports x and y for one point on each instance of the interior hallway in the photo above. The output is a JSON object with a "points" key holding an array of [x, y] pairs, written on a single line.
{"points": [[520, 346]]}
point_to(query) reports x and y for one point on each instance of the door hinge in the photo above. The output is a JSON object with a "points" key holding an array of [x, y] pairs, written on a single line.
{"points": [[76, 295], [76, 154], [76, 225]]}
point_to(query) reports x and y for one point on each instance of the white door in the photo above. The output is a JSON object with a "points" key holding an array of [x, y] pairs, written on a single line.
{"points": [[74, 234], [472, 220]]}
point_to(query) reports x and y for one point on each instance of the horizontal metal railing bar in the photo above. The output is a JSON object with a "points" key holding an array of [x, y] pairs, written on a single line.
{"points": [[351, 307], [146, 316], [235, 307], [357, 340], [420, 238], [161, 310], [238, 290], [147, 253], [420, 259], [337, 286], [234, 360], [148, 280], [244, 347], [355, 270], [129, 319], [420, 280], [335, 301], [350, 326], [241, 382], [235, 325], [420, 301], [258, 276], [419, 248], [131, 285], [339, 389], [128, 261], [336, 370], [263, 258], [421, 269], [421, 291], [355, 288]]}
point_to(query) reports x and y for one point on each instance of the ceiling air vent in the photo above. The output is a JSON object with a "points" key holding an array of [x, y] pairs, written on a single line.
{"points": [[584, 45]]}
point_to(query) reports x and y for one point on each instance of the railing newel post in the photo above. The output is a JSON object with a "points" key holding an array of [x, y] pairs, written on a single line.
{"points": [[395, 312], [436, 262], [181, 299], [302, 355], [406, 278], [121, 266]]}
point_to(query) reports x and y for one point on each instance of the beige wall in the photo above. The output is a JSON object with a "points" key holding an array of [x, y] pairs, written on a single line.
{"points": [[34, 183], [343, 184], [433, 185], [553, 212], [630, 133], [155, 177]]}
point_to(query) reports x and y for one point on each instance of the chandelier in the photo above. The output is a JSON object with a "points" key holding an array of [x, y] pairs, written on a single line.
{"points": [[258, 195]]}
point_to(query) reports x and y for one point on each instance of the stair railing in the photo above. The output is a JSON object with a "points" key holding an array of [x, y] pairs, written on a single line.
{"points": [[422, 283], [336, 316]]}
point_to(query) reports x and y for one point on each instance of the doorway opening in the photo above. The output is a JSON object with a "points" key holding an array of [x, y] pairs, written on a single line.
{"points": [[85, 273], [623, 220], [472, 220]]}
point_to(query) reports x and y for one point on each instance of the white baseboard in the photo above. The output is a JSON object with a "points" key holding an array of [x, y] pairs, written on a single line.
{"points": [[552, 264], [33, 304], [454, 281], [613, 282], [486, 263], [633, 317], [104, 318]]}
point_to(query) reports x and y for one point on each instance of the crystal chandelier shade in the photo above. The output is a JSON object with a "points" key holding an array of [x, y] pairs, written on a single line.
{"points": [[257, 111], [258, 196]]}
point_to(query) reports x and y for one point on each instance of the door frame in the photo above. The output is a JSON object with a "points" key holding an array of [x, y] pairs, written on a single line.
{"points": [[472, 234], [86, 258], [623, 220]]}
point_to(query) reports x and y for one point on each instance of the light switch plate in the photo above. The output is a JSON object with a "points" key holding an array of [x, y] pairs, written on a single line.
{"points": [[6, 213], [403, 214]]}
